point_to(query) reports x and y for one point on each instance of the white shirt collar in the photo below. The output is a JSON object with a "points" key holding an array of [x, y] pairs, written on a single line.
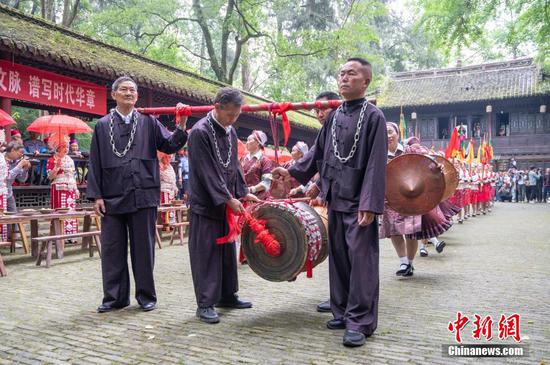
{"points": [[399, 148], [227, 129], [258, 155], [126, 118]]}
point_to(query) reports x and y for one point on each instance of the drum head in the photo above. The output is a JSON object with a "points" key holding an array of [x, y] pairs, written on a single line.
{"points": [[414, 184], [292, 237], [451, 176], [322, 222]]}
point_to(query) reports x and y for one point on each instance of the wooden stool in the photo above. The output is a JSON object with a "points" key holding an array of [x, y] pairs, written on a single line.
{"points": [[48, 241], [3, 271]]}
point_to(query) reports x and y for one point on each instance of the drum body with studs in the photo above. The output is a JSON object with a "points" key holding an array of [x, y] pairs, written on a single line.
{"points": [[300, 231]]}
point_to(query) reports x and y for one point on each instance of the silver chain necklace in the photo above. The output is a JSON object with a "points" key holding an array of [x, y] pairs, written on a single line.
{"points": [[112, 135], [218, 154], [355, 137]]}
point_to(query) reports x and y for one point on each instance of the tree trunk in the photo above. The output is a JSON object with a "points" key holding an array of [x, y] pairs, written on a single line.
{"points": [[69, 12], [245, 69], [34, 7]]}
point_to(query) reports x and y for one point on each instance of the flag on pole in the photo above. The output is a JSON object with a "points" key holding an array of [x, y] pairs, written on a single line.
{"points": [[471, 152], [402, 125], [453, 146]]}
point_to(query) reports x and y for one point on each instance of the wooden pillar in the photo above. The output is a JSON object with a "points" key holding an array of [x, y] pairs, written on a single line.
{"points": [[146, 98], [5, 104]]}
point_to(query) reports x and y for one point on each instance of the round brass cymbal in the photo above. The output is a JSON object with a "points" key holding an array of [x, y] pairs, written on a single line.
{"points": [[414, 184], [451, 176]]}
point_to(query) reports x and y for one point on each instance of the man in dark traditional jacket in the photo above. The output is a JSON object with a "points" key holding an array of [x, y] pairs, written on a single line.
{"points": [[124, 183], [350, 155], [215, 181]]}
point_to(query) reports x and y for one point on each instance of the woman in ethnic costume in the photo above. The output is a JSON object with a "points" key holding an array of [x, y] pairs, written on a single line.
{"points": [[459, 196], [394, 225], [298, 151], [485, 189], [256, 166], [4, 171], [493, 188], [168, 185], [448, 209], [474, 190], [257, 170], [433, 223], [61, 173]]}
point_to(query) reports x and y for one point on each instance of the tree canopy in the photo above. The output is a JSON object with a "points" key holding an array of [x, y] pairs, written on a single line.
{"points": [[291, 50]]}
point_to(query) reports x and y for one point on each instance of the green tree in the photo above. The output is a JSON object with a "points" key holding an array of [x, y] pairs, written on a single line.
{"points": [[515, 26]]}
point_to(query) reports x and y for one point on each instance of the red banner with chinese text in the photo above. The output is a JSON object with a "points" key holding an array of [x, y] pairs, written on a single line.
{"points": [[42, 87]]}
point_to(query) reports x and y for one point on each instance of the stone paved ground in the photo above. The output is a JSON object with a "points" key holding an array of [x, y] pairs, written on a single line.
{"points": [[497, 264]]}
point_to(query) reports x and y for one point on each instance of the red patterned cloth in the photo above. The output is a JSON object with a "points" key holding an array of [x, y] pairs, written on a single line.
{"points": [[473, 197], [3, 227], [63, 188], [434, 224], [65, 199], [395, 224], [459, 198], [167, 217], [254, 169]]}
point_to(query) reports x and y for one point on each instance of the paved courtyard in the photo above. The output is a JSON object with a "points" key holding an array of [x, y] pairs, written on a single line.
{"points": [[492, 265]]}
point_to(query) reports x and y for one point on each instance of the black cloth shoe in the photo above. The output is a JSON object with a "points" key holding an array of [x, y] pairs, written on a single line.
{"points": [[402, 269], [324, 307], [440, 246], [336, 324], [409, 270], [354, 338], [104, 308], [234, 302], [208, 315], [423, 252], [148, 307]]}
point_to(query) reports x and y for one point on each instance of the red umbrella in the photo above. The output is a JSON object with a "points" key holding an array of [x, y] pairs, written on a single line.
{"points": [[283, 154], [241, 149], [59, 123], [5, 119]]}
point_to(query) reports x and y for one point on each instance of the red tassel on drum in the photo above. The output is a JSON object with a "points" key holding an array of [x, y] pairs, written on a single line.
{"points": [[235, 223], [271, 245], [309, 269]]}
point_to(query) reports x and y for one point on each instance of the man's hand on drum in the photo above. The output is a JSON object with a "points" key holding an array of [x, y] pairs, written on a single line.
{"points": [[365, 218], [235, 205], [313, 191], [251, 198], [294, 191], [280, 174], [317, 202]]}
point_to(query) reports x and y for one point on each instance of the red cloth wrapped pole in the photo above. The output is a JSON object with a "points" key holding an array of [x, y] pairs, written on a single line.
{"points": [[277, 108], [274, 108]]}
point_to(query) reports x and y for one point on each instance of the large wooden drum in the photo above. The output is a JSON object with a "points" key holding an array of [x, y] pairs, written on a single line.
{"points": [[301, 233]]}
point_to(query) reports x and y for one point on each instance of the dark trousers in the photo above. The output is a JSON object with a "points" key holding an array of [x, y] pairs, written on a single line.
{"points": [[213, 266], [353, 271], [115, 231], [530, 192]]}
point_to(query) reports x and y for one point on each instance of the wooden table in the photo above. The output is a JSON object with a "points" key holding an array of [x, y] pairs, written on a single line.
{"points": [[56, 227], [180, 211]]}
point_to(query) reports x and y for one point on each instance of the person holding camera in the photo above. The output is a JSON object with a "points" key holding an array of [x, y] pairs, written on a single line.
{"points": [[18, 166]]}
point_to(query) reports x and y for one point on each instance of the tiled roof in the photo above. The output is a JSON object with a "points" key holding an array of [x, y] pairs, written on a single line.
{"points": [[489, 81]]}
